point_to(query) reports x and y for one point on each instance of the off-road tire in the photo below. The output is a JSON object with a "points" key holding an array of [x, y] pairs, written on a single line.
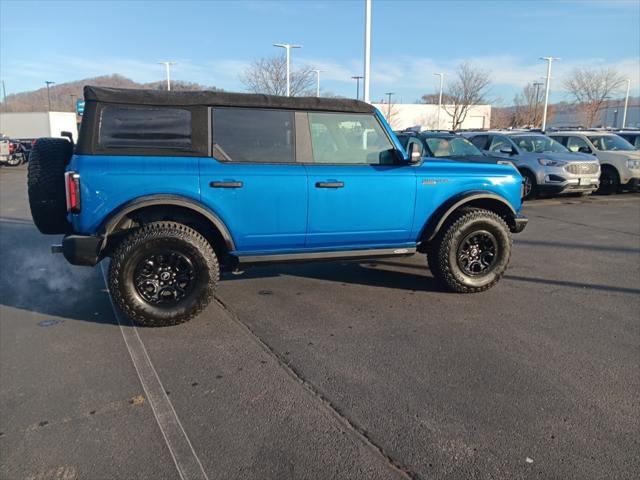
{"points": [[533, 192], [609, 181], [162, 237], [443, 250], [45, 184]]}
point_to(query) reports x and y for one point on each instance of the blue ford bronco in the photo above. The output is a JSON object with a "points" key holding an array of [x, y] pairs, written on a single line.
{"points": [[175, 186]]}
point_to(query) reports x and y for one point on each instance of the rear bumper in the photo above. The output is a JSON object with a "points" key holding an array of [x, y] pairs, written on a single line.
{"points": [[81, 249], [519, 223]]}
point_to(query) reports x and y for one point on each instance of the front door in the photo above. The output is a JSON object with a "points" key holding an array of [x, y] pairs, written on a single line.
{"points": [[253, 182], [360, 196]]}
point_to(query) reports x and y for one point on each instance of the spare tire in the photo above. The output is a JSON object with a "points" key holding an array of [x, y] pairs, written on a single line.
{"points": [[45, 183]]}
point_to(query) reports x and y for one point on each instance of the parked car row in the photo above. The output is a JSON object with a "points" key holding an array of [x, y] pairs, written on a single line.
{"points": [[561, 162]]}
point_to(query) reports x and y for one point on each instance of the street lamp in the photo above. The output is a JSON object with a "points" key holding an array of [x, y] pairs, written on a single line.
{"points": [[167, 66], [388, 94], [48, 82], [367, 49], [546, 90], [317, 81], [357, 78], [441, 75], [288, 48], [626, 104]]}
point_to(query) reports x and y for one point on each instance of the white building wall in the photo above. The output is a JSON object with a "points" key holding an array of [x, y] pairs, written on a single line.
{"points": [[29, 125], [408, 115]]}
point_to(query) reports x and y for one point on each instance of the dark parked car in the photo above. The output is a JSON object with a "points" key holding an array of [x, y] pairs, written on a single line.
{"points": [[631, 136]]}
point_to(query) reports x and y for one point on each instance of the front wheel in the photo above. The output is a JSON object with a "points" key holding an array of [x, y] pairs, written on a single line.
{"points": [[609, 181], [164, 273], [472, 251], [530, 185]]}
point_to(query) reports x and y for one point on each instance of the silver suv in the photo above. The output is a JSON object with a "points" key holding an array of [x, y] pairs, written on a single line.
{"points": [[546, 166], [619, 160]]}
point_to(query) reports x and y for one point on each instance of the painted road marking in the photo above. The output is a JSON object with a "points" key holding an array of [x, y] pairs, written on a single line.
{"points": [[182, 451]]}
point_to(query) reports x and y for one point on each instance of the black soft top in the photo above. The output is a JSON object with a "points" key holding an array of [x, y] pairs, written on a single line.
{"points": [[129, 96]]}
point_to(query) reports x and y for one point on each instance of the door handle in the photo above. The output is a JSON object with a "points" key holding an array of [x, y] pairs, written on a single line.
{"points": [[329, 184], [229, 184]]}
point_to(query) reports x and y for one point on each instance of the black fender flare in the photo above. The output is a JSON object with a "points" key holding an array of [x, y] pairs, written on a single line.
{"points": [[110, 223], [439, 217]]}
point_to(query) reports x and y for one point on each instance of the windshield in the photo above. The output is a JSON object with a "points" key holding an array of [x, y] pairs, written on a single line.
{"points": [[538, 144], [451, 147], [610, 142]]}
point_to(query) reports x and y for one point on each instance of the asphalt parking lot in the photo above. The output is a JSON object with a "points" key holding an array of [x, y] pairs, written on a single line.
{"points": [[333, 370]]}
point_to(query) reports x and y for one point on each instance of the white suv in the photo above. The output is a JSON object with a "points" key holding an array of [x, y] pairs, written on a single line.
{"points": [[619, 160]]}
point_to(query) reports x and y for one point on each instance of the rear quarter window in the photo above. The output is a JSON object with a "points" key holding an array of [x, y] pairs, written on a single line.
{"points": [[145, 127]]}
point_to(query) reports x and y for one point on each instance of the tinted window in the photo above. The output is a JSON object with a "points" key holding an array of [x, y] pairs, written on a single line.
{"points": [[145, 127], [498, 142], [538, 144], [349, 139], [253, 135], [611, 142], [480, 141]]}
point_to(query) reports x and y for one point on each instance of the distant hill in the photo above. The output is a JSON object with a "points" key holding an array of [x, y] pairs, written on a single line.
{"points": [[64, 95]]}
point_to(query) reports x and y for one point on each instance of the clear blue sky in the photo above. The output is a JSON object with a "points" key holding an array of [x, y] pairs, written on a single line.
{"points": [[214, 41]]}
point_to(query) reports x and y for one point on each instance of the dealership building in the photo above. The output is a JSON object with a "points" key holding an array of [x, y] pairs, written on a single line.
{"points": [[407, 115]]}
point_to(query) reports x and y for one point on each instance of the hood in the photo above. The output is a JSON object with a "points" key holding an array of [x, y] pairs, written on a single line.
{"points": [[568, 156], [619, 155], [467, 158]]}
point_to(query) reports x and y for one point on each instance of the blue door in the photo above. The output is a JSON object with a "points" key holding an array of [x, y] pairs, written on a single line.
{"points": [[253, 183], [359, 195]]}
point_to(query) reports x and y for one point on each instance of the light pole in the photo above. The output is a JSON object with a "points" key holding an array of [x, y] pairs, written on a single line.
{"points": [[546, 90], [388, 94], [288, 48], [441, 75], [535, 108], [4, 96], [367, 49], [167, 66], [357, 78], [48, 82], [317, 82], [626, 104]]}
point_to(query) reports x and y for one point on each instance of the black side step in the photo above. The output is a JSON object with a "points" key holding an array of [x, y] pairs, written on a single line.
{"points": [[324, 256]]}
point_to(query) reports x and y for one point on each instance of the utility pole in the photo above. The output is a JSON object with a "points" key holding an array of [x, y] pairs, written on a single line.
{"points": [[48, 92], [624, 114], [4, 96], [367, 49], [167, 65], [546, 90], [357, 78], [317, 82], [288, 48], [388, 94], [441, 75], [535, 108]]}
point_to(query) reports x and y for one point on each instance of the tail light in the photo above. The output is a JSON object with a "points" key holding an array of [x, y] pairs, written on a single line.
{"points": [[72, 184], [12, 147]]}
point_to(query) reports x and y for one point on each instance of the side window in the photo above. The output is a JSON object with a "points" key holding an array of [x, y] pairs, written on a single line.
{"points": [[145, 127], [418, 142], [253, 135], [350, 139], [498, 142], [574, 144], [480, 141]]}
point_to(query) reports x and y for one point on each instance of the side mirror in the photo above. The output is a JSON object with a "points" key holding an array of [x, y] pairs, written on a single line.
{"points": [[507, 150], [415, 155]]}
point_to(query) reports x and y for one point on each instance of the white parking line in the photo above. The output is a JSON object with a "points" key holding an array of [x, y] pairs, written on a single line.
{"points": [[182, 451]]}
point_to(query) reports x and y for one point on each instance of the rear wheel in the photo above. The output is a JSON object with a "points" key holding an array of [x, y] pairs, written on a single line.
{"points": [[15, 159], [164, 273], [472, 251], [609, 181]]}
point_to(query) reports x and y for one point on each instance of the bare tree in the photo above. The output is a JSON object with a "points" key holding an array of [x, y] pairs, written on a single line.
{"points": [[590, 88], [529, 105], [269, 75], [470, 88]]}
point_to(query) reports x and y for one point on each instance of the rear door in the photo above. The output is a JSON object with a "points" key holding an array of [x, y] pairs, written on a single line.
{"points": [[253, 181], [359, 195]]}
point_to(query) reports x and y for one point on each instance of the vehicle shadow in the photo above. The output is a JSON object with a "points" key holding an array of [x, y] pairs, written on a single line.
{"points": [[33, 279]]}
